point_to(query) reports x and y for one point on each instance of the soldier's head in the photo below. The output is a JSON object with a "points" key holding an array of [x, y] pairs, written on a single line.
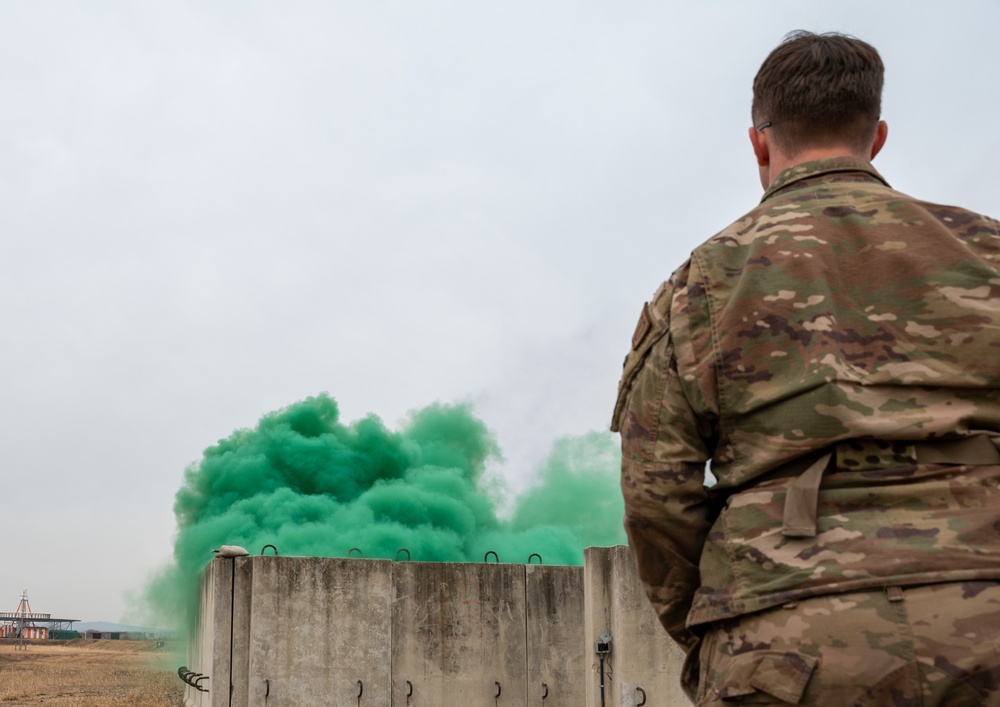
{"points": [[818, 92]]}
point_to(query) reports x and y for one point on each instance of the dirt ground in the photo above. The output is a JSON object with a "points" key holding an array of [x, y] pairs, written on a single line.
{"points": [[88, 673]]}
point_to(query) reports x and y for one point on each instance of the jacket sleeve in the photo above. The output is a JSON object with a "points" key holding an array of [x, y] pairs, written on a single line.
{"points": [[665, 446]]}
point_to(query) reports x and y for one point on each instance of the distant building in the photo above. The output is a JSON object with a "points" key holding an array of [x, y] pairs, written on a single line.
{"points": [[28, 633], [116, 635], [25, 624]]}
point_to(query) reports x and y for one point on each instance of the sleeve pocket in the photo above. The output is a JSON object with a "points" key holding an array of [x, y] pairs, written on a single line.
{"points": [[650, 329]]}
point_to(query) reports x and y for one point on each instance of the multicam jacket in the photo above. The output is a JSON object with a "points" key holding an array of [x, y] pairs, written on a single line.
{"points": [[839, 315]]}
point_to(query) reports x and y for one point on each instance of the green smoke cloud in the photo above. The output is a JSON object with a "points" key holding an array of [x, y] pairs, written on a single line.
{"points": [[311, 485]]}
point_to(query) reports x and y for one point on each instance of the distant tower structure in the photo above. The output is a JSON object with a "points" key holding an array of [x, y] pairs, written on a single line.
{"points": [[22, 623]]}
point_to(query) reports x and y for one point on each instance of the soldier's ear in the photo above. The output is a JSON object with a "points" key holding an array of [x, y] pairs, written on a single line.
{"points": [[761, 149], [881, 133]]}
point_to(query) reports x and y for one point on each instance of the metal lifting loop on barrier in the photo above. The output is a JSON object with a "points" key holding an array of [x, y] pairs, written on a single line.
{"points": [[643, 692], [545, 691], [486, 557], [535, 554], [267, 688], [403, 549], [355, 549], [269, 546], [361, 689], [192, 678], [496, 689], [409, 689]]}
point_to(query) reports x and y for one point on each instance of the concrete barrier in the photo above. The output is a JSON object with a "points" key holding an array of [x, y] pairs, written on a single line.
{"points": [[289, 631], [642, 664], [208, 647], [557, 645], [458, 634], [318, 633]]}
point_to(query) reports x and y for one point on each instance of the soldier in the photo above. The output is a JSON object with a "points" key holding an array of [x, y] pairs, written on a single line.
{"points": [[835, 355]]}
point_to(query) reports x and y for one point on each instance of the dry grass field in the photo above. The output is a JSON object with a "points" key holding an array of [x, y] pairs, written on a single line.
{"points": [[84, 673]]}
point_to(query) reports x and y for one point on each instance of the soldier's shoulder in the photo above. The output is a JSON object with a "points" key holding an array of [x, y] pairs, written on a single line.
{"points": [[653, 326]]}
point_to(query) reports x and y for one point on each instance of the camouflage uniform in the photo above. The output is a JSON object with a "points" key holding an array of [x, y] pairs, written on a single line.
{"points": [[839, 317]]}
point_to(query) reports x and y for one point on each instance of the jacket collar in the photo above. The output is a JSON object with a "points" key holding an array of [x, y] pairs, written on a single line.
{"points": [[816, 168]]}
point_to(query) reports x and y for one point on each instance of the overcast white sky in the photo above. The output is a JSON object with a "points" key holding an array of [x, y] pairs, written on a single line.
{"points": [[210, 210]]}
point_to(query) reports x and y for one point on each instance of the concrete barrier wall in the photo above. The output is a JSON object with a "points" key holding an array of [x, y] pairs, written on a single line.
{"points": [[318, 632], [557, 645], [643, 664], [283, 631], [199, 634], [458, 635], [208, 646]]}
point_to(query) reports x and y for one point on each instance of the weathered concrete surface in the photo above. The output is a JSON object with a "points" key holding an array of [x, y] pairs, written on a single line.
{"points": [[557, 657], [458, 634], [208, 648], [198, 652], [643, 661], [282, 631], [318, 627], [242, 611]]}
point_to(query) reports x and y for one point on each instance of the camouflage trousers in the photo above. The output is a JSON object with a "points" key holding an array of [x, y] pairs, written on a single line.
{"points": [[936, 644]]}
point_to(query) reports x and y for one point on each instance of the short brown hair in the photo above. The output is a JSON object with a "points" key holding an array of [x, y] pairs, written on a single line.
{"points": [[818, 90]]}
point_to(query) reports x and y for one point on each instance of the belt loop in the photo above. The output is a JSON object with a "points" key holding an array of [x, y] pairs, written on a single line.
{"points": [[894, 593]]}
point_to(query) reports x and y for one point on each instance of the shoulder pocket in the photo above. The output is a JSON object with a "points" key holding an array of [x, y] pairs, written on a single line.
{"points": [[653, 325]]}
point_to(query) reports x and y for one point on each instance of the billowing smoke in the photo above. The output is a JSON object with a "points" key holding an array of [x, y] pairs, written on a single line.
{"points": [[311, 485]]}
